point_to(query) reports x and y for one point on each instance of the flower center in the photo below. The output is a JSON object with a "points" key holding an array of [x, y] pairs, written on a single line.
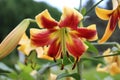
{"points": [[63, 41]]}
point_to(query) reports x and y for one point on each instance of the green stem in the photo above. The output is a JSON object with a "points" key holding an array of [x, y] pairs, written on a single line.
{"points": [[108, 43], [80, 8], [80, 5], [93, 7], [47, 67], [79, 68], [107, 55], [32, 20]]}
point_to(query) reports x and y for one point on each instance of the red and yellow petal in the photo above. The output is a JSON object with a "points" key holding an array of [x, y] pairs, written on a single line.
{"points": [[103, 13], [44, 20], [41, 37], [89, 33], [110, 28], [70, 18], [54, 49], [75, 46]]}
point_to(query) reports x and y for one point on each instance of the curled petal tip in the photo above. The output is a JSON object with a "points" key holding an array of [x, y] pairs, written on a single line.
{"points": [[45, 20], [103, 13]]}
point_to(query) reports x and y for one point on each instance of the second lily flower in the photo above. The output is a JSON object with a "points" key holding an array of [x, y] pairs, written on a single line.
{"points": [[113, 16]]}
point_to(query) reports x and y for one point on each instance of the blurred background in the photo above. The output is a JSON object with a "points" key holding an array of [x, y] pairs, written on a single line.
{"points": [[12, 12]]}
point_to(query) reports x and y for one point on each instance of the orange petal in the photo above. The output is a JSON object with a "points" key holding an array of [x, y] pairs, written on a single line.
{"points": [[25, 48], [101, 69], [114, 69], [70, 18], [42, 53], [109, 59], [103, 13], [25, 45], [119, 23], [24, 39], [110, 29], [13, 38], [44, 20]]}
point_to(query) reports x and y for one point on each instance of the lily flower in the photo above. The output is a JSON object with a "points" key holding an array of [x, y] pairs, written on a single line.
{"points": [[26, 47], [112, 64], [63, 37], [11, 41], [113, 16]]}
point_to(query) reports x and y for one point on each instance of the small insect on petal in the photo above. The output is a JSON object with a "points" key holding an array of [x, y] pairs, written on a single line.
{"points": [[12, 39]]}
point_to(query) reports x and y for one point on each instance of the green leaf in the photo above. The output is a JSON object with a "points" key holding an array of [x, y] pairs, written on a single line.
{"points": [[91, 48], [25, 76], [92, 59], [25, 68], [74, 75], [83, 11], [68, 60], [4, 68], [44, 73], [12, 75]]}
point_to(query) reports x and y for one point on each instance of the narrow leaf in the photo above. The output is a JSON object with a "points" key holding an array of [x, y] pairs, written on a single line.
{"points": [[92, 59], [74, 75], [83, 11], [91, 47]]}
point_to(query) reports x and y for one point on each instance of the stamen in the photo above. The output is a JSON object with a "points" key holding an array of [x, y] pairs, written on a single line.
{"points": [[69, 58], [54, 59], [61, 55], [75, 63], [67, 54], [25, 61], [62, 66]]}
